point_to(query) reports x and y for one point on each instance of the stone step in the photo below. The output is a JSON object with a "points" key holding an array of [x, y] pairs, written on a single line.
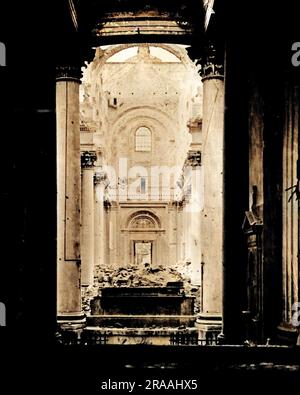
{"points": [[174, 289], [134, 336], [141, 321]]}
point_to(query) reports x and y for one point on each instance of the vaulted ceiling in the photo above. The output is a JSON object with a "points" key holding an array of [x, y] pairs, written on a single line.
{"points": [[92, 23], [121, 21]]}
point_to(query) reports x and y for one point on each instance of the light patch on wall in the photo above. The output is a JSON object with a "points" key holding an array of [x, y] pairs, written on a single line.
{"points": [[160, 53], [124, 55], [164, 55]]}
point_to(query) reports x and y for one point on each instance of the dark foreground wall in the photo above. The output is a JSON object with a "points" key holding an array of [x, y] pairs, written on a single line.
{"points": [[28, 185], [259, 38]]}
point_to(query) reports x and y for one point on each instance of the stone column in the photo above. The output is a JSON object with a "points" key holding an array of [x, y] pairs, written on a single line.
{"points": [[183, 232], [193, 163], [113, 235], [172, 242], [210, 318], [99, 181], [290, 213], [87, 228], [107, 206], [188, 239], [180, 233], [126, 249], [68, 197]]}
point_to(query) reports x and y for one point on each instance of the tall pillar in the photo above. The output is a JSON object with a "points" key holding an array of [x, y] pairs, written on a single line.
{"points": [[290, 214], [87, 228], [68, 197], [210, 318], [179, 232], [99, 181], [112, 231], [126, 249], [107, 206], [184, 230], [193, 163], [172, 233]]}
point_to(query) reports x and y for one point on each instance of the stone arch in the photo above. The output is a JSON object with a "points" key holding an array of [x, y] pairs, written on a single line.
{"points": [[181, 54], [151, 219], [146, 111], [147, 116]]}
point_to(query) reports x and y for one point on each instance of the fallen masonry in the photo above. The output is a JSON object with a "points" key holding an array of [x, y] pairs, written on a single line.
{"points": [[144, 277]]}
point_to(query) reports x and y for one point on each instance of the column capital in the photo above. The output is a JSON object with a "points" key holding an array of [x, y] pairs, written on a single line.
{"points": [[212, 62], [193, 159], [195, 124], [100, 177], [68, 73], [88, 158]]}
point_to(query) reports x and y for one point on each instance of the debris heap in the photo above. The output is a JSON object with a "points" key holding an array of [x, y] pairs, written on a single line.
{"points": [[143, 276]]}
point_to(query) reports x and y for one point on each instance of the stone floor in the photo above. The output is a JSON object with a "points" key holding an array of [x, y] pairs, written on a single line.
{"points": [[214, 368]]}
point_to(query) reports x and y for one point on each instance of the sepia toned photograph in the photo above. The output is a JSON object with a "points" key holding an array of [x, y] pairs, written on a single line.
{"points": [[150, 193]]}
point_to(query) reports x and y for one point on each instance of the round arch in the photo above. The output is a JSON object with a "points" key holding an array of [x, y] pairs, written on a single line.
{"points": [[150, 219], [180, 54]]}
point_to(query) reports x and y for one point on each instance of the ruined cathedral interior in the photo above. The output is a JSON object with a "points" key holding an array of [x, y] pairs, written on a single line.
{"points": [[146, 208], [140, 143], [150, 191]]}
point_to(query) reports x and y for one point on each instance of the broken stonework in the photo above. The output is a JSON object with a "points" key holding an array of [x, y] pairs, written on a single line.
{"points": [[143, 276]]}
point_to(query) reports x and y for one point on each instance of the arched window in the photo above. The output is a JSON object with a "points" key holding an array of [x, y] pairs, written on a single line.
{"points": [[143, 139]]}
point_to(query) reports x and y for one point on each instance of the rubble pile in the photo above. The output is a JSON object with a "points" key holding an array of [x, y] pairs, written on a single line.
{"points": [[145, 276]]}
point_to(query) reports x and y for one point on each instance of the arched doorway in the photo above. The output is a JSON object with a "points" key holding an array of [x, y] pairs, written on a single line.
{"points": [[144, 229]]}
